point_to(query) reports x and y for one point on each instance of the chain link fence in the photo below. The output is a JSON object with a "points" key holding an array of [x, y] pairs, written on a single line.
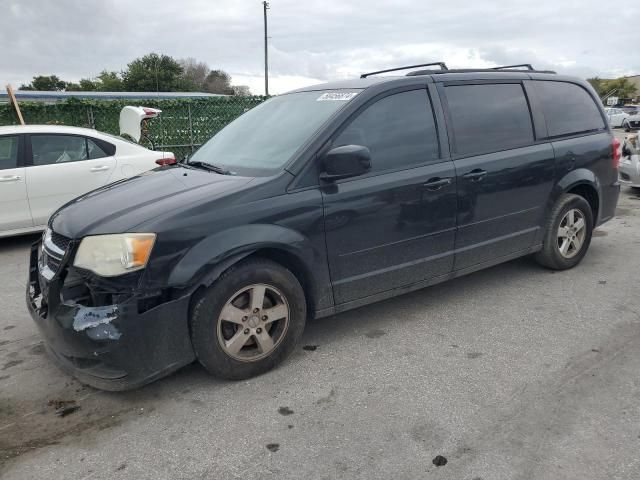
{"points": [[181, 128]]}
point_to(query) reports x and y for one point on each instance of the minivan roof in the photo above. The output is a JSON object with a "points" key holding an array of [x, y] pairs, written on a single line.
{"points": [[439, 76]]}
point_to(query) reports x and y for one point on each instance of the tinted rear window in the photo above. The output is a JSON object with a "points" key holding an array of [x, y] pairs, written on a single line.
{"points": [[568, 109], [489, 117]]}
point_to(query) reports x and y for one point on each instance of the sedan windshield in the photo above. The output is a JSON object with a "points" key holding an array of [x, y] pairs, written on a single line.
{"points": [[264, 139]]}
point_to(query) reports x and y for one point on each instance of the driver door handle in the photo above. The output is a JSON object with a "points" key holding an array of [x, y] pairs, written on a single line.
{"points": [[101, 168], [436, 183], [10, 178]]}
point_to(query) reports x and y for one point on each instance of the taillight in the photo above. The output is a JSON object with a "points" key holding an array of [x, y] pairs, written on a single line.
{"points": [[616, 153], [166, 161]]}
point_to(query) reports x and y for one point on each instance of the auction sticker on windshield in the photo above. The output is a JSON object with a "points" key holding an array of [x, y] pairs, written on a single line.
{"points": [[336, 96]]}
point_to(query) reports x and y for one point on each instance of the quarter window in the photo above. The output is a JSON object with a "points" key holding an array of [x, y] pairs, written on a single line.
{"points": [[568, 109], [94, 150], [8, 152], [399, 131], [489, 117]]}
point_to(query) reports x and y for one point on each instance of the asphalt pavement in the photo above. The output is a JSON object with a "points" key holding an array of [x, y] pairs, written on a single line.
{"points": [[515, 372]]}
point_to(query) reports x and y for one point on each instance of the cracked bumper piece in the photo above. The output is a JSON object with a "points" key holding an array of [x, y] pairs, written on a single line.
{"points": [[110, 347], [629, 171]]}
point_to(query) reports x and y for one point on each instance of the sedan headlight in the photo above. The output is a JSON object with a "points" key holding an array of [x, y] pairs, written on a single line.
{"points": [[113, 255]]}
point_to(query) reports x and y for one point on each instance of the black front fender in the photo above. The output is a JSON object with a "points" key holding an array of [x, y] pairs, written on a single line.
{"points": [[207, 260], [234, 244]]}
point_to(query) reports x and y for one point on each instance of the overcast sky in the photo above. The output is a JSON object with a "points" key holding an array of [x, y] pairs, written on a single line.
{"points": [[314, 41]]}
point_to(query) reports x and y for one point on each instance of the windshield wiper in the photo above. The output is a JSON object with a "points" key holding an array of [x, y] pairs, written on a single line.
{"points": [[209, 166]]}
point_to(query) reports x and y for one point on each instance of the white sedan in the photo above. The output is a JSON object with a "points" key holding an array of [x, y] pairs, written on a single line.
{"points": [[616, 116], [42, 167]]}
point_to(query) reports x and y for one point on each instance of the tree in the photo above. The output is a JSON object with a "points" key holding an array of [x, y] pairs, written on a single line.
{"points": [[152, 73], [109, 82], [241, 90], [88, 85], [621, 87], [48, 83], [106, 81], [73, 87], [194, 73], [618, 87], [149, 73], [218, 81], [597, 84]]}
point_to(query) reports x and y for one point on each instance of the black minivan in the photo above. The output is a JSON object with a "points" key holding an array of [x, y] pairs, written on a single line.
{"points": [[317, 201]]}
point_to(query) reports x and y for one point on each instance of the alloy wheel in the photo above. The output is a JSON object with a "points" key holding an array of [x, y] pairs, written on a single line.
{"points": [[253, 322], [571, 233]]}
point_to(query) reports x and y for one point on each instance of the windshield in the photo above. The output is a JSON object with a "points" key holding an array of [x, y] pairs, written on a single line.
{"points": [[263, 140]]}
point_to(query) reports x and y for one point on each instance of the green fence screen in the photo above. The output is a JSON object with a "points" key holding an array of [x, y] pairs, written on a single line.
{"points": [[183, 126]]}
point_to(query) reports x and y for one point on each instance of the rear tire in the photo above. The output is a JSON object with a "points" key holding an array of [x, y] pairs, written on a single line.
{"points": [[231, 332], [568, 233], [626, 126]]}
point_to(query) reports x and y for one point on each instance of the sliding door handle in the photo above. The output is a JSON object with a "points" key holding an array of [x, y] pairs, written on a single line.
{"points": [[101, 168], [475, 175], [436, 183]]}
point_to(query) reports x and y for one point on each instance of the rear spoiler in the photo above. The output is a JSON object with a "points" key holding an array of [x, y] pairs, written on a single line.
{"points": [[131, 119]]}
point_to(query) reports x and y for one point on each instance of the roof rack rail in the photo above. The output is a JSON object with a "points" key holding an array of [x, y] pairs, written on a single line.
{"points": [[442, 66], [528, 66], [508, 69]]}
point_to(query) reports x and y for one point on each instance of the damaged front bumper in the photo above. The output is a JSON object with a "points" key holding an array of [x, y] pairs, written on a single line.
{"points": [[629, 171], [109, 336]]}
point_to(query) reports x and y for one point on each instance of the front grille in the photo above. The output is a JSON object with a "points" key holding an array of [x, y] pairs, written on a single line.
{"points": [[54, 247], [60, 241]]}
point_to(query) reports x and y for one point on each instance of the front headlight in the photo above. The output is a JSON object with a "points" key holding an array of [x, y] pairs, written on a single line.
{"points": [[113, 255]]}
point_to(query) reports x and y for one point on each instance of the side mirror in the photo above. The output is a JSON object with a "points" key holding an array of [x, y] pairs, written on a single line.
{"points": [[346, 161]]}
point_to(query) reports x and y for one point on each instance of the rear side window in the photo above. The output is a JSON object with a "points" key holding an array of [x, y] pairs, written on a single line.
{"points": [[95, 150], [8, 152], [489, 117], [399, 131], [49, 149], [568, 109]]}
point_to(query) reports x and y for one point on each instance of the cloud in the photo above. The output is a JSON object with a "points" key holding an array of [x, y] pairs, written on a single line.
{"points": [[315, 40]]}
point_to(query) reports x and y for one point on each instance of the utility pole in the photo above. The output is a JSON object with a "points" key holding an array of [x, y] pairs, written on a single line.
{"points": [[265, 4]]}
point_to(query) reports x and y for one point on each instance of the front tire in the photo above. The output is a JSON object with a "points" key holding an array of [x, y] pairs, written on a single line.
{"points": [[568, 233], [249, 320], [626, 126]]}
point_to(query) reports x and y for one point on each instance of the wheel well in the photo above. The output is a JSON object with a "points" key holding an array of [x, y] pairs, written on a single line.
{"points": [[590, 195], [295, 266], [284, 258]]}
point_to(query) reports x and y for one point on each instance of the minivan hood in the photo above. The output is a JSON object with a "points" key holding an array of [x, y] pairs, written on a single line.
{"points": [[121, 206]]}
